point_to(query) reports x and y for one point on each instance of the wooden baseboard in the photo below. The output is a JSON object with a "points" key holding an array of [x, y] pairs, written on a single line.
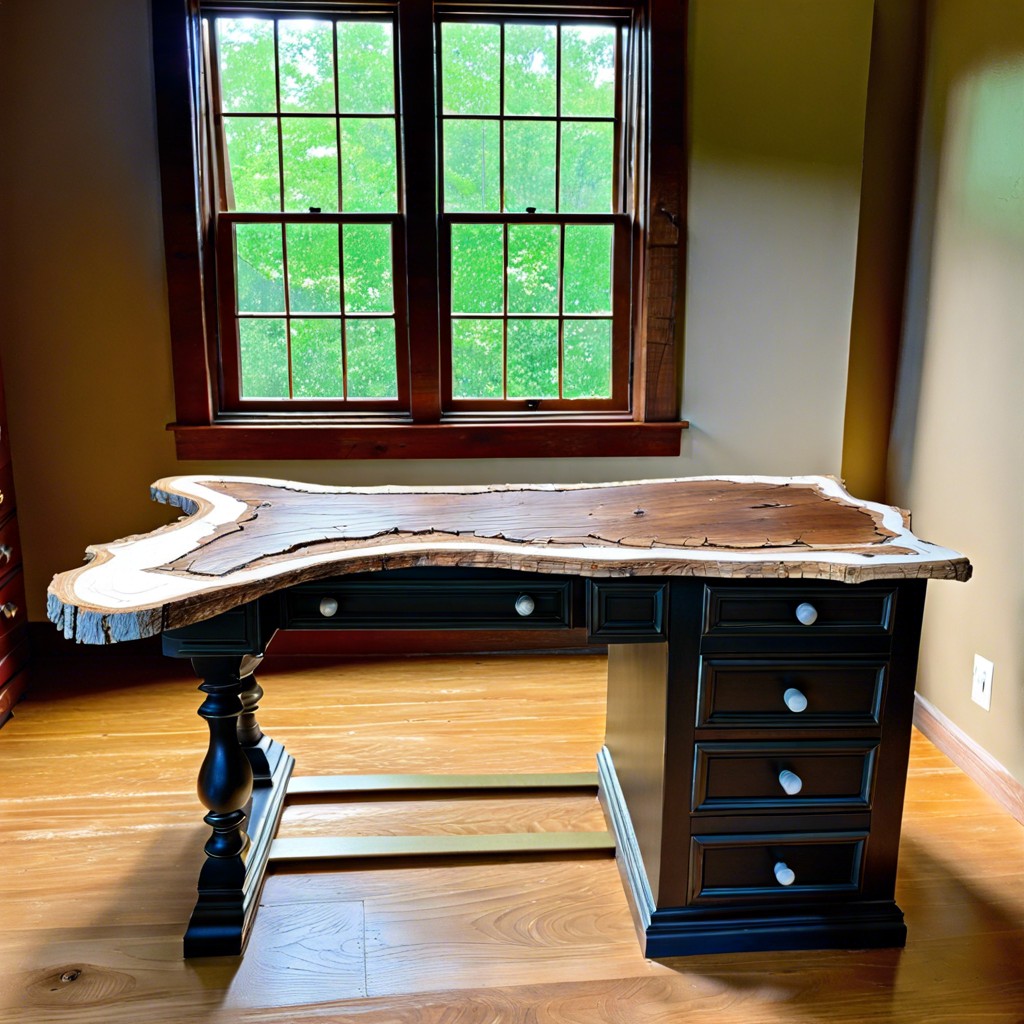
{"points": [[47, 641], [974, 761]]}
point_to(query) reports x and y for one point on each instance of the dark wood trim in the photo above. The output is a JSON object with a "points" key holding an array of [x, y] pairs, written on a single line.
{"points": [[177, 56], [973, 760], [419, 171], [663, 213], [464, 440]]}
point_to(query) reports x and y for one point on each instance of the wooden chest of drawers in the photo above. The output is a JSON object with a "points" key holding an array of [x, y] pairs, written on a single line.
{"points": [[13, 626], [755, 765]]}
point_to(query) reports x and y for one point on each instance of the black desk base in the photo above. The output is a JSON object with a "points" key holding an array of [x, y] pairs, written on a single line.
{"points": [[714, 856]]}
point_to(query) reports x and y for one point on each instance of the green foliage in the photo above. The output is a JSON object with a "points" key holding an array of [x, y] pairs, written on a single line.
{"points": [[370, 346], [587, 358], [253, 168], [588, 268], [246, 50], [477, 359], [531, 55], [314, 272], [588, 71], [532, 358], [368, 165], [470, 68], [306, 54], [316, 358], [263, 348], [366, 79], [478, 268], [368, 287], [310, 146], [533, 251]]}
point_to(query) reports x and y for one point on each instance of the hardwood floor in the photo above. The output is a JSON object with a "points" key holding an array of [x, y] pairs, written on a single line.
{"points": [[102, 835]]}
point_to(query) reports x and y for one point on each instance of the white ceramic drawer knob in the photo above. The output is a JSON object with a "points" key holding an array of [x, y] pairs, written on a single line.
{"points": [[525, 604], [328, 607], [795, 700], [790, 782], [5, 552], [806, 613], [784, 874]]}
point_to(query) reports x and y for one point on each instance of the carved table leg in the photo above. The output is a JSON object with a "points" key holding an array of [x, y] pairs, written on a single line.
{"points": [[225, 788], [250, 735]]}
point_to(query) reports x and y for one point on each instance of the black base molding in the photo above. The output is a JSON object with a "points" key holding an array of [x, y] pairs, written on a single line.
{"points": [[691, 931]]}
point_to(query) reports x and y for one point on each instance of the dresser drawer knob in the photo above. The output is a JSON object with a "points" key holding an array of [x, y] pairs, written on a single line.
{"points": [[525, 604], [5, 553], [790, 782], [795, 700], [806, 613], [784, 874], [9, 610], [328, 607]]}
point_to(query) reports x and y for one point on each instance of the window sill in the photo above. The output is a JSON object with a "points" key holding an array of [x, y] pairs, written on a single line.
{"points": [[453, 439]]}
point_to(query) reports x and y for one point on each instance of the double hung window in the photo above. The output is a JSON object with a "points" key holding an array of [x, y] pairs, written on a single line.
{"points": [[415, 216]]}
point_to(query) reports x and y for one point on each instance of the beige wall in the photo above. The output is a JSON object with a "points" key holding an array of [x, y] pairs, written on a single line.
{"points": [[778, 94], [957, 456]]}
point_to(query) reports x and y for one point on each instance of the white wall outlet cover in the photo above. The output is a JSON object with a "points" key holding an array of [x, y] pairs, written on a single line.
{"points": [[981, 682]]}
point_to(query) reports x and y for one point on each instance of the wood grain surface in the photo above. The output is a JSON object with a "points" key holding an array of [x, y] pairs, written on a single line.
{"points": [[102, 838], [245, 537]]}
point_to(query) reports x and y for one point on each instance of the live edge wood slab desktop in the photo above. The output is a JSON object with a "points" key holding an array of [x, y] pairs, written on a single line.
{"points": [[762, 642]]}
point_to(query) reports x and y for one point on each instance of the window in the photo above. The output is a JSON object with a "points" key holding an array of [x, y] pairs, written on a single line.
{"points": [[400, 230]]}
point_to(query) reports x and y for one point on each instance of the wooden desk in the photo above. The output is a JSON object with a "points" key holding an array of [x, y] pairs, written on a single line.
{"points": [[762, 637]]}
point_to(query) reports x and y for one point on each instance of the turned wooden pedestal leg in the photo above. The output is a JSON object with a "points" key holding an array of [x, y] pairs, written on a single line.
{"points": [[225, 788], [254, 743], [242, 783]]}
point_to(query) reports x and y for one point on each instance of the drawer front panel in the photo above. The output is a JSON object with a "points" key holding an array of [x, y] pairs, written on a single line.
{"points": [[625, 612], [12, 604], [784, 693], [758, 777], [427, 604], [732, 611], [10, 545], [6, 490], [817, 866]]}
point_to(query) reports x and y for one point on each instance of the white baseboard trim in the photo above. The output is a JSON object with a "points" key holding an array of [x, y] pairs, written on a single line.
{"points": [[973, 760]]}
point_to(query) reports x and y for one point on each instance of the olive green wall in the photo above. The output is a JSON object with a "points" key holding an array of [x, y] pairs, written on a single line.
{"points": [[957, 453], [778, 95]]}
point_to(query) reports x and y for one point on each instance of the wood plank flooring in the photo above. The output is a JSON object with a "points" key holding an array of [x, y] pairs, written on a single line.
{"points": [[101, 837]]}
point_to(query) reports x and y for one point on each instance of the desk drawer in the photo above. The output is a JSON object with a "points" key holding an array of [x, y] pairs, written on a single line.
{"points": [[6, 489], [798, 611], [10, 545], [756, 777], [808, 866], [429, 604], [790, 693], [12, 604]]}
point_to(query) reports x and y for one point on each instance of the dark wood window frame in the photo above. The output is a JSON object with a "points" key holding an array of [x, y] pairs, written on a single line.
{"points": [[203, 430]]}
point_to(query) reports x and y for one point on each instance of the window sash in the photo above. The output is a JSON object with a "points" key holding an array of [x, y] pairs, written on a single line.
{"points": [[230, 354]]}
